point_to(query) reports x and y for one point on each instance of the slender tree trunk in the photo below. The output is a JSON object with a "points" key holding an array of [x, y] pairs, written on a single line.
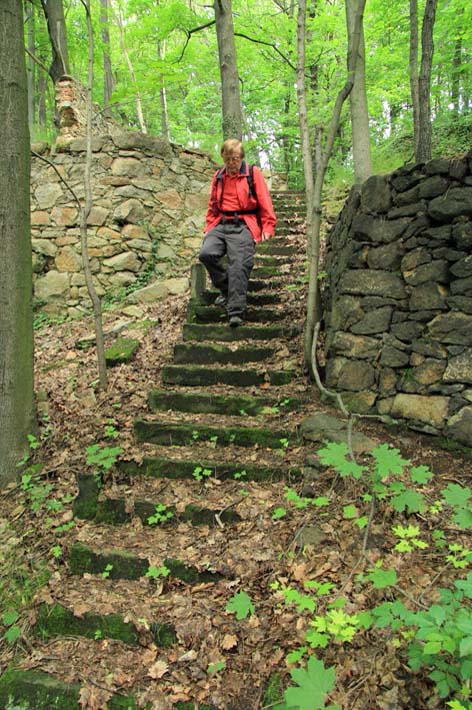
{"points": [[17, 418], [303, 119], [313, 306], [139, 107], [414, 87], [231, 100], [85, 211], [108, 81], [30, 66], [359, 108], [165, 131], [41, 91], [456, 76], [420, 82], [54, 13]]}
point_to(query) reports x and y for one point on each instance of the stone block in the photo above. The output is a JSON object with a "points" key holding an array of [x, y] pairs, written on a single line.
{"points": [[459, 368], [52, 284], [375, 195], [428, 410], [459, 427]]}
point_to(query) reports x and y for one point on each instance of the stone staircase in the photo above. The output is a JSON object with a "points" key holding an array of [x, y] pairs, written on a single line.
{"points": [[163, 545]]}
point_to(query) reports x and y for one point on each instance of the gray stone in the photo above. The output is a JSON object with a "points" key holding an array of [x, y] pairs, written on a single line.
{"points": [[356, 346], [429, 296], [44, 246], [132, 140], [129, 211], [406, 177], [375, 195], [372, 282], [376, 229], [456, 202], [460, 426], [355, 376], [387, 381], [429, 372], [406, 331], [50, 285], [377, 321], [408, 210], [415, 258], [177, 285], [434, 271], [463, 268], [408, 197], [462, 235], [429, 349], [462, 286], [126, 261], [359, 402], [421, 408], [155, 292], [322, 427], [391, 357], [454, 328], [79, 145], [437, 166], [460, 303], [387, 257], [433, 187], [459, 369], [47, 195]]}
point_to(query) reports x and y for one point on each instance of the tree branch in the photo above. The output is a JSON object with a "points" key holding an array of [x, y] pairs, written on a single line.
{"points": [[189, 34], [267, 44], [37, 60]]}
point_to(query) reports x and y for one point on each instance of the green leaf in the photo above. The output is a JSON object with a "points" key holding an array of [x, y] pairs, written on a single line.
{"points": [[314, 684], [432, 648], [411, 501], [9, 617], [455, 495], [463, 518], [382, 578], [350, 511], [388, 460], [420, 475], [278, 513], [465, 646], [216, 667], [335, 455], [12, 634], [241, 604]]}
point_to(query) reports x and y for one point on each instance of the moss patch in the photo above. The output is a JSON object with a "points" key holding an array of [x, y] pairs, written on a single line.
{"points": [[122, 350]]}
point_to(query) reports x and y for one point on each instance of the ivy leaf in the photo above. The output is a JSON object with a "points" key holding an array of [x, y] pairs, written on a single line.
{"points": [[420, 475], [412, 501], [335, 455], [314, 684], [241, 604], [388, 460]]}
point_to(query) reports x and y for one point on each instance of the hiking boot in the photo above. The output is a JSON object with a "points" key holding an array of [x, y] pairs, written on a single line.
{"points": [[221, 300], [235, 321]]}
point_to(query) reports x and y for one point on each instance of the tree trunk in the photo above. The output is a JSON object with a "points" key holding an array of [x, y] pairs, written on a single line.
{"points": [[359, 108], [414, 88], [54, 13], [17, 418], [313, 306], [165, 130], [139, 108], [303, 119], [456, 76], [108, 81], [30, 67], [231, 100]]}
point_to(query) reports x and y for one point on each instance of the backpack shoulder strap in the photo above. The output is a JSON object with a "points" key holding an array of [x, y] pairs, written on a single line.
{"points": [[250, 179]]}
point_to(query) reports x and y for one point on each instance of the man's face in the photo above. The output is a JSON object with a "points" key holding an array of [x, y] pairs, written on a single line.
{"points": [[232, 161]]}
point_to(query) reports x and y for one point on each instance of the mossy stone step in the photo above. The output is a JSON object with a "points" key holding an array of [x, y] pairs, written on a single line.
{"points": [[35, 690], [265, 272], [253, 299], [124, 565], [199, 354], [209, 331], [112, 511], [170, 434], [122, 351], [163, 467], [205, 402], [194, 376], [56, 620], [197, 313]]}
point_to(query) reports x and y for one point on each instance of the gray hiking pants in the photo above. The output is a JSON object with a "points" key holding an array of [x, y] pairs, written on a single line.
{"points": [[235, 240]]}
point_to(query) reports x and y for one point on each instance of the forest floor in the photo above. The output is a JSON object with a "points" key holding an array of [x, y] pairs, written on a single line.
{"points": [[36, 517]]}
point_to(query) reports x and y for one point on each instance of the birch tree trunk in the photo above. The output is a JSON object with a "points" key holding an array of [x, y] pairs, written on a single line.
{"points": [[359, 108], [17, 418], [108, 81], [231, 99]]}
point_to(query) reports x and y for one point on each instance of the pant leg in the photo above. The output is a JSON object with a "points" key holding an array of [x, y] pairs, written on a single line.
{"points": [[213, 249], [240, 248]]}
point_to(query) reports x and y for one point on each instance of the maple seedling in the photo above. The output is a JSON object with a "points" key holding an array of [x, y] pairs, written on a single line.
{"points": [[241, 604], [161, 514]]}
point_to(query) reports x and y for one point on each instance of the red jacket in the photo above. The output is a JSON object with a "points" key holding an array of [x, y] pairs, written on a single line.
{"points": [[264, 221]]}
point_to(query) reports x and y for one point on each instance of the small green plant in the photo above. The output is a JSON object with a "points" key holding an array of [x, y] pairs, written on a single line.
{"points": [[283, 447], [200, 473], [157, 572], [278, 513], [213, 441], [239, 475], [56, 551], [106, 572], [110, 431], [33, 444], [216, 667], [162, 514], [409, 538], [312, 686], [102, 457], [13, 632], [241, 604], [98, 634], [195, 435]]}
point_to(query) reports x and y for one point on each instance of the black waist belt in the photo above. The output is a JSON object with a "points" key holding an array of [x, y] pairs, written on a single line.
{"points": [[236, 216]]}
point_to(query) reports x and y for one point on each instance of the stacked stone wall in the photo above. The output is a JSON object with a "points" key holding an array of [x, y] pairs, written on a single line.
{"points": [[398, 298], [149, 201]]}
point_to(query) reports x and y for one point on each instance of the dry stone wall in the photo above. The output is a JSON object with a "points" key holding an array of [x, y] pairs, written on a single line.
{"points": [[398, 298], [149, 201]]}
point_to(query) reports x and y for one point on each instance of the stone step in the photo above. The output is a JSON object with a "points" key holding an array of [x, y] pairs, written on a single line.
{"points": [[163, 467], [276, 247], [213, 314], [55, 620], [206, 402], [253, 299], [35, 690], [194, 376], [90, 504], [121, 564], [198, 354], [265, 272], [171, 434], [204, 332]]}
